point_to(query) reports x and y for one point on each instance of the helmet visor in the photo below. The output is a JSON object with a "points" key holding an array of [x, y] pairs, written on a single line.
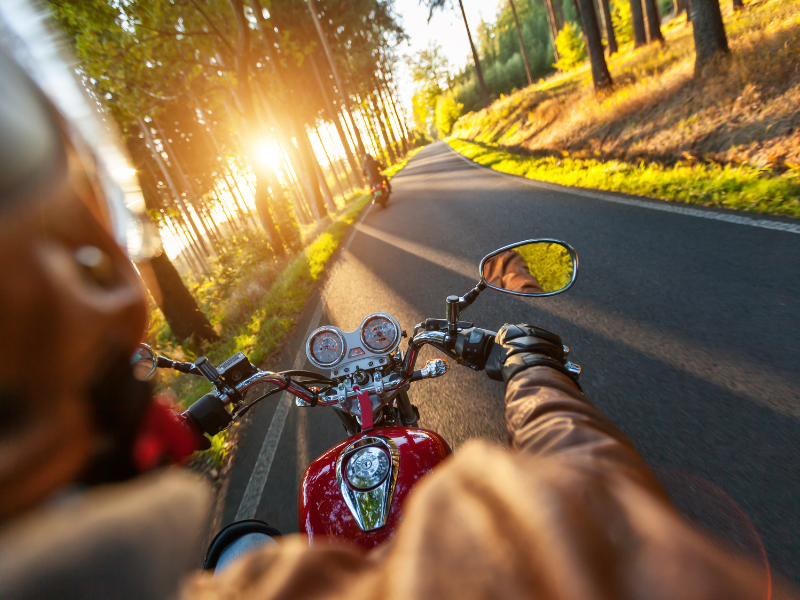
{"points": [[26, 35]]}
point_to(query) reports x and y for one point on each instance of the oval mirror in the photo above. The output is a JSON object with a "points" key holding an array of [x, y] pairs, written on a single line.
{"points": [[531, 268], [144, 362]]}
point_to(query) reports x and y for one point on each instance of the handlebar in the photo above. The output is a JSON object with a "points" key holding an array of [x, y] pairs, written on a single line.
{"points": [[209, 414]]}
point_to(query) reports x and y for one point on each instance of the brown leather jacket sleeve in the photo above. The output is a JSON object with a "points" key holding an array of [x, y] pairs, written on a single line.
{"points": [[573, 513]]}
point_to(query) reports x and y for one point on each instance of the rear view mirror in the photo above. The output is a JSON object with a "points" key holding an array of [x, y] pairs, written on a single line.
{"points": [[144, 362], [531, 268]]}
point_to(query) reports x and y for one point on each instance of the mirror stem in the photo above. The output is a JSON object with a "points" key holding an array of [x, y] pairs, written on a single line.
{"points": [[456, 305]]}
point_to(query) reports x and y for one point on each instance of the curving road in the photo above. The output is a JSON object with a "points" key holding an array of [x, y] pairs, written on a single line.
{"points": [[687, 328]]}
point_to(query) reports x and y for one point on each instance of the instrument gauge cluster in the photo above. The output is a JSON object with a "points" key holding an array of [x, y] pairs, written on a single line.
{"points": [[326, 347], [378, 335], [379, 332]]}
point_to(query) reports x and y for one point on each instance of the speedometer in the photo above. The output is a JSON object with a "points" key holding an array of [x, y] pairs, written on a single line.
{"points": [[380, 333], [325, 347]]}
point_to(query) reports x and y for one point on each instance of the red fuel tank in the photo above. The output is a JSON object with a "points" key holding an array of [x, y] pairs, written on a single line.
{"points": [[323, 508]]}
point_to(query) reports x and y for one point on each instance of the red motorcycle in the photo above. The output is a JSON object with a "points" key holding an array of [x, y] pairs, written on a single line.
{"points": [[356, 490], [380, 194]]}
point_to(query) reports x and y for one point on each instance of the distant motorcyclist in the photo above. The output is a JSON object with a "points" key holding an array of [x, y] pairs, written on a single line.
{"points": [[574, 512], [371, 168]]}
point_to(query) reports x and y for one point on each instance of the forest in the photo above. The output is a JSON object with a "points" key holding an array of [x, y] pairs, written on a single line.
{"points": [[247, 123], [529, 40]]}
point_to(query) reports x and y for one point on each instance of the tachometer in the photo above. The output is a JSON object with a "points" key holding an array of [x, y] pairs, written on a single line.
{"points": [[380, 333], [325, 347]]}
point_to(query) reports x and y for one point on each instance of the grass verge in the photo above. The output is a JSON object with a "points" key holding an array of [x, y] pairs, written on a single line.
{"points": [[392, 171], [738, 187]]}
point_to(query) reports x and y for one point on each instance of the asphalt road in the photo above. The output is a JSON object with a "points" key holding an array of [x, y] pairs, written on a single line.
{"points": [[687, 329]]}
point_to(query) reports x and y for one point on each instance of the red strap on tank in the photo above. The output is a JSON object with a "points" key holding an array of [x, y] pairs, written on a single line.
{"points": [[366, 408]]}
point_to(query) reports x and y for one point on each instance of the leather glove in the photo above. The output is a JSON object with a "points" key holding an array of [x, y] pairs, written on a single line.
{"points": [[519, 347]]}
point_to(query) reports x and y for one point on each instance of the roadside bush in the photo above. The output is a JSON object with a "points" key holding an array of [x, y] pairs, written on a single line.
{"points": [[570, 47], [420, 138], [621, 20], [447, 113]]}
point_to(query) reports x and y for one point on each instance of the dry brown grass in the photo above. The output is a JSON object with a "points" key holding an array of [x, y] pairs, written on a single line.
{"points": [[743, 109]]}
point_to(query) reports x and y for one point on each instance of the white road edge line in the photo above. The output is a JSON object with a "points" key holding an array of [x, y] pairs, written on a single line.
{"points": [[258, 479], [663, 205]]}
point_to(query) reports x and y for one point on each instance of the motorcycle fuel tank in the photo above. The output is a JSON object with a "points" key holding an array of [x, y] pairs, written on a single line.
{"points": [[356, 490]]}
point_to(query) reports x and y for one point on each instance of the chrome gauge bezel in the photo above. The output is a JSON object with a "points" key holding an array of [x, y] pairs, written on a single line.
{"points": [[312, 337], [397, 333]]}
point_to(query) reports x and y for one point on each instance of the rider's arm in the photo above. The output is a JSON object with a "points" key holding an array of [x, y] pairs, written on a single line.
{"points": [[574, 513], [547, 415]]}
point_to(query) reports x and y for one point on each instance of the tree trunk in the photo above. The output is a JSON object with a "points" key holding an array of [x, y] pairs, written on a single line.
{"points": [[484, 90], [652, 22], [386, 119], [738, 5], [610, 37], [331, 165], [402, 123], [184, 317], [308, 158], [326, 191], [192, 198], [558, 13], [333, 116], [521, 45], [552, 27], [637, 21], [180, 310], [348, 172], [379, 118], [709, 33], [145, 129], [396, 124], [594, 43], [311, 4]]}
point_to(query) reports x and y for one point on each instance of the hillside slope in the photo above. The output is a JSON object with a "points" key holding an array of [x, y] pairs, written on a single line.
{"points": [[743, 110]]}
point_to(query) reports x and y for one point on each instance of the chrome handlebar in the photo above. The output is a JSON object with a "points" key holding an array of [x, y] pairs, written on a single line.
{"points": [[435, 338]]}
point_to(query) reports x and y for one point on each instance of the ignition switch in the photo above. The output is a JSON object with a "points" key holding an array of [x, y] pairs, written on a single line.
{"points": [[361, 377]]}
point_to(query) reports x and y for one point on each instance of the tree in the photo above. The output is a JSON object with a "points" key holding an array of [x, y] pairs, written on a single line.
{"points": [[447, 113], [521, 43], [571, 47], [653, 22], [553, 26], [708, 29], [433, 5], [594, 43], [609, 27], [637, 21], [430, 72]]}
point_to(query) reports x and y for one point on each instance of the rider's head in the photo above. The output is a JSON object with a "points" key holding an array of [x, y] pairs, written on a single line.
{"points": [[73, 308]]}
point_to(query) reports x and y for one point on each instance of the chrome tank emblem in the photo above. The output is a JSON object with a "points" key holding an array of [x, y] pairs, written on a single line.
{"points": [[366, 472]]}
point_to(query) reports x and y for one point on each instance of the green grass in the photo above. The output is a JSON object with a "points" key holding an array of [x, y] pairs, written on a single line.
{"points": [[737, 187]]}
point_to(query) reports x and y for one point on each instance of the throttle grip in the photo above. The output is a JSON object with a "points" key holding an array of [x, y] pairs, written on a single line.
{"points": [[473, 346]]}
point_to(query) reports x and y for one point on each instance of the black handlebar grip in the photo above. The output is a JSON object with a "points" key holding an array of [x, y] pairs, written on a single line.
{"points": [[473, 347], [209, 414]]}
